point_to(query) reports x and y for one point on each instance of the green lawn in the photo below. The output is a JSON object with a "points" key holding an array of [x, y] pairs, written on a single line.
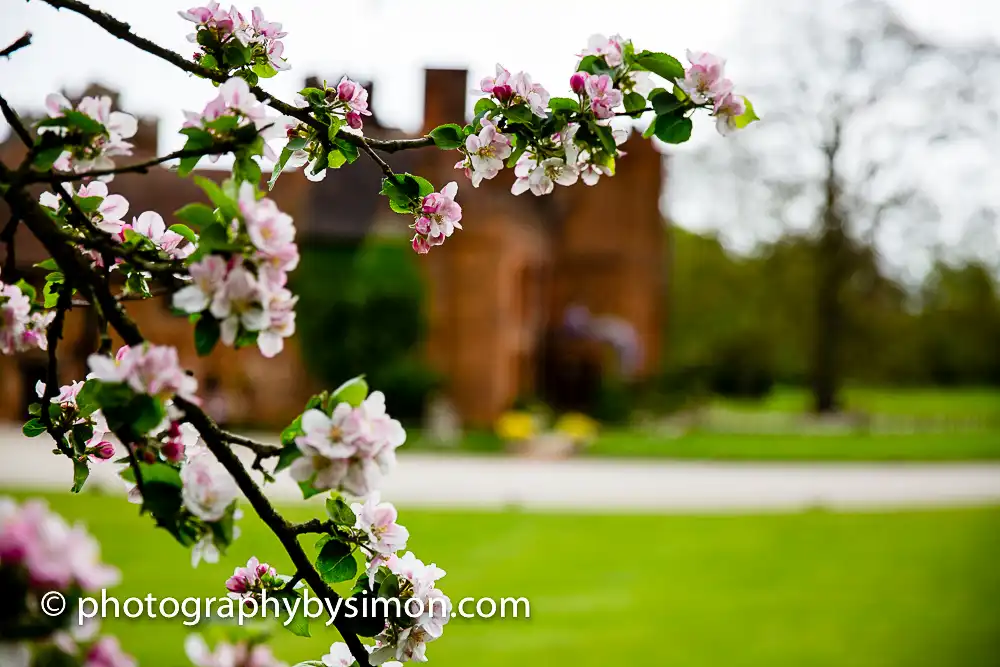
{"points": [[955, 403], [813, 589]]}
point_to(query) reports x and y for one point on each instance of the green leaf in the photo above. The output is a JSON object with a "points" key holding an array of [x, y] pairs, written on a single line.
{"points": [[206, 335], [308, 490], [447, 137], [218, 197], [286, 153], [144, 413], [388, 588], [336, 122], [236, 55], [197, 215], [81, 471], [86, 400], [520, 145], [563, 104], [634, 102], [161, 473], [45, 157], [336, 562], [221, 125], [519, 113], [660, 63], [82, 122], [82, 433], [353, 392], [264, 70], [606, 137], [593, 65], [672, 128], [335, 159], [292, 431], [339, 511], [483, 105], [665, 102], [49, 265], [299, 624], [747, 116], [88, 204], [208, 61], [33, 428], [349, 150], [198, 139], [405, 191], [184, 231]]}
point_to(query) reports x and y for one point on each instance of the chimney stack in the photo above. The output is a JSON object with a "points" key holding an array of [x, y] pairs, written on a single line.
{"points": [[445, 91]]}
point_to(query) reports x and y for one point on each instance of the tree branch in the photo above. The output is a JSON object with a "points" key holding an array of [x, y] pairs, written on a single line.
{"points": [[138, 168], [123, 31], [21, 42], [15, 124]]}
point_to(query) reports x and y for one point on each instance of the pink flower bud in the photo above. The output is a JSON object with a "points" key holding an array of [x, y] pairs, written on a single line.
{"points": [[422, 225], [420, 245], [503, 93], [345, 91], [578, 82], [173, 451], [237, 584], [103, 451], [354, 119]]}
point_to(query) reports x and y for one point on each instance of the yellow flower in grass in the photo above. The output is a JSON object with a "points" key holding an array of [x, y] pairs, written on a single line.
{"points": [[577, 426], [516, 425]]}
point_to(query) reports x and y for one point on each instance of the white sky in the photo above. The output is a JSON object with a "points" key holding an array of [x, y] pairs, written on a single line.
{"points": [[384, 40]]}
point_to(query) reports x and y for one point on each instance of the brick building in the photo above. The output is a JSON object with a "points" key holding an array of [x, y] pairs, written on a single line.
{"points": [[519, 301]]}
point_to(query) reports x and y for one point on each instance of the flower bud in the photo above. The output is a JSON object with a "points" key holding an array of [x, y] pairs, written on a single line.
{"points": [[420, 245], [503, 93], [173, 451], [103, 451], [345, 91], [422, 225], [578, 82], [354, 119]]}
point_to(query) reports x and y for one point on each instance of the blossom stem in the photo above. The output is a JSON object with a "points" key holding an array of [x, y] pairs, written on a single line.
{"points": [[52, 336]]}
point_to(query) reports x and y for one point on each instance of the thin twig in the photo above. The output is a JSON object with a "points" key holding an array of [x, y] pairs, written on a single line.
{"points": [[21, 42], [313, 526], [15, 123], [139, 168], [261, 449], [123, 31], [52, 337]]}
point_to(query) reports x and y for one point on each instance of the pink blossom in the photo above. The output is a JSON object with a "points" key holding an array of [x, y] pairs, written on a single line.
{"points": [[103, 451], [146, 369], [378, 521], [209, 489], [151, 225], [54, 554], [354, 96], [207, 275], [270, 230], [531, 94], [726, 110], [21, 329], [212, 17], [280, 310], [578, 82], [498, 86], [438, 217], [541, 177], [97, 154], [704, 81], [487, 151], [239, 304], [106, 652], [609, 48], [264, 28], [604, 97], [420, 244]]}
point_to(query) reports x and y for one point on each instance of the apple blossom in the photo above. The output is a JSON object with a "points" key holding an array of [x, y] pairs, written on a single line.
{"points": [[578, 82], [486, 152], [146, 369], [210, 16], [107, 217], [726, 110], [604, 97], [355, 98], [410, 643], [239, 303], [235, 99], [102, 451], [251, 578], [609, 48], [209, 489], [151, 225], [704, 81], [106, 652], [498, 86], [207, 275], [349, 449], [532, 94], [53, 554], [98, 150], [225, 654], [280, 310], [437, 218], [378, 521], [21, 329], [541, 177]]}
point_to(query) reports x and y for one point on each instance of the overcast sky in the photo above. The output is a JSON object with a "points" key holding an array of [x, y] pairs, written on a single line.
{"points": [[391, 41]]}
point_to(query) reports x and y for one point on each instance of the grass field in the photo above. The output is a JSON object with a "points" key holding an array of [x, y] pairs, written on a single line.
{"points": [[812, 589], [956, 403]]}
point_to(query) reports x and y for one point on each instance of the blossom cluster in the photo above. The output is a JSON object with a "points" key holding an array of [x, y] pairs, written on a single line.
{"points": [[89, 135], [705, 83], [512, 90], [436, 219], [97, 446], [72, 648], [217, 28], [408, 641], [253, 579], [246, 293], [229, 654], [22, 326], [233, 109], [350, 448], [154, 370], [340, 656], [49, 552]]}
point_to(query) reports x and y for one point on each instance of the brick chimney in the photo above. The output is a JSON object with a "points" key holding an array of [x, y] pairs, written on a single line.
{"points": [[445, 91]]}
